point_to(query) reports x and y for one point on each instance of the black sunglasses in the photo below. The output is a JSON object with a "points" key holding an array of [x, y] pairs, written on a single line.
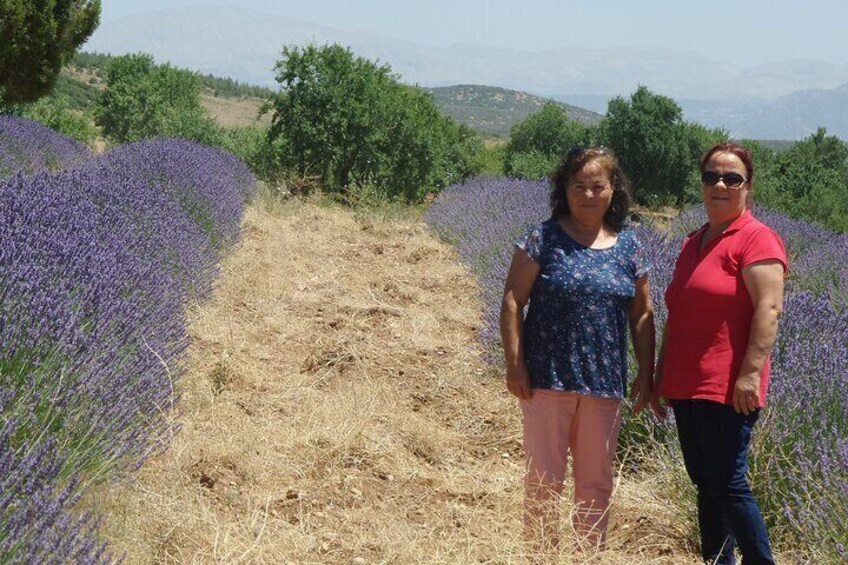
{"points": [[731, 180]]}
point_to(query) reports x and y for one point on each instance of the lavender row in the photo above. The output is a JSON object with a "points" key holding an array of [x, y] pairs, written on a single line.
{"points": [[800, 455], [29, 147], [96, 266]]}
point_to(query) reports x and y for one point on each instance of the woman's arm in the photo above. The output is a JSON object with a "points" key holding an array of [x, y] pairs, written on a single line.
{"points": [[523, 272], [642, 334], [764, 281]]}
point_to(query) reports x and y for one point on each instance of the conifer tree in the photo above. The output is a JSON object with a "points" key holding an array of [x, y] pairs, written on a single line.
{"points": [[37, 37]]}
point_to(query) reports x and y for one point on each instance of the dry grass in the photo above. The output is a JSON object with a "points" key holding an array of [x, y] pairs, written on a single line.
{"points": [[335, 411], [232, 112]]}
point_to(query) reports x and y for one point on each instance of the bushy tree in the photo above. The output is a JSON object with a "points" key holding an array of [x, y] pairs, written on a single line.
{"points": [[144, 100], [809, 180], [537, 143], [827, 150], [36, 39], [653, 143], [348, 121]]}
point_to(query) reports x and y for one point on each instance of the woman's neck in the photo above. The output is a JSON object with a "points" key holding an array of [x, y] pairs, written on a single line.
{"points": [[590, 234], [592, 228], [718, 225]]}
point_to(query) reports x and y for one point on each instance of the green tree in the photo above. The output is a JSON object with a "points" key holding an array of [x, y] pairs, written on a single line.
{"points": [[809, 180], [654, 145], [58, 114], [38, 38], [144, 100], [349, 122], [537, 143], [827, 150]]}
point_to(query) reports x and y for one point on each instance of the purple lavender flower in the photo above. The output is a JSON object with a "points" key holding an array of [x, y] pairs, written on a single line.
{"points": [[96, 266], [29, 147]]}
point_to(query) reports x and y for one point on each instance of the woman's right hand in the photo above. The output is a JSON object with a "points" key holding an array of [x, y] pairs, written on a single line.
{"points": [[518, 381], [658, 406]]}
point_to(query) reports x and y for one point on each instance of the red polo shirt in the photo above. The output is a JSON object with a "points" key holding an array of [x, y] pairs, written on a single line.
{"points": [[710, 311]]}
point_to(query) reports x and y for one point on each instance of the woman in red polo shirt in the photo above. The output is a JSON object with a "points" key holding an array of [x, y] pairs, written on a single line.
{"points": [[724, 301]]}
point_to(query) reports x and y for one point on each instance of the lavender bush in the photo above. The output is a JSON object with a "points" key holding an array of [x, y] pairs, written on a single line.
{"points": [[96, 266], [210, 184], [28, 147], [482, 217], [799, 461]]}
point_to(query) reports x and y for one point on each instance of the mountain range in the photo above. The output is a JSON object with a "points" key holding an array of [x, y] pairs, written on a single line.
{"points": [[779, 100]]}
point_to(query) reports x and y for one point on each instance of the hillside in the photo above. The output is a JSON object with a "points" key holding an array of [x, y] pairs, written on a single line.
{"points": [[493, 111], [229, 102], [335, 411], [489, 110]]}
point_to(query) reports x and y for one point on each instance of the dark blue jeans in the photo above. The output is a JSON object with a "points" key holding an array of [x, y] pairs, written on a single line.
{"points": [[715, 439]]}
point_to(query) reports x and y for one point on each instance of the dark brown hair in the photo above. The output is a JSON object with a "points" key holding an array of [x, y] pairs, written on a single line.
{"points": [[572, 162]]}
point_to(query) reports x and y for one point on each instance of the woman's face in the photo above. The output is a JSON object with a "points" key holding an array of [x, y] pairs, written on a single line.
{"points": [[589, 193], [724, 203]]}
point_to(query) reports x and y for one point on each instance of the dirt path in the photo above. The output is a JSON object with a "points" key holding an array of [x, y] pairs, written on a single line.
{"points": [[335, 411]]}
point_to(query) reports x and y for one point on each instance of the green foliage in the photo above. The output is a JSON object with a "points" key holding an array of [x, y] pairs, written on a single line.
{"points": [[143, 100], [220, 87], [349, 122], [38, 38], [78, 95], [96, 62], [826, 150], [492, 159], [808, 180], [530, 164], [654, 145], [252, 146], [57, 114], [537, 143]]}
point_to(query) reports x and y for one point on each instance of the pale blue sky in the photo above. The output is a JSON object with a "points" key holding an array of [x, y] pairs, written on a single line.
{"points": [[743, 31]]}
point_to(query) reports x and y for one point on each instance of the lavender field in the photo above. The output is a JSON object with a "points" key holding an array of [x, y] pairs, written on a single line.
{"points": [[799, 460], [99, 257]]}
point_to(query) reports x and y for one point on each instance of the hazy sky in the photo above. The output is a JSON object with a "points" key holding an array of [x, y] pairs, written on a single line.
{"points": [[745, 31]]}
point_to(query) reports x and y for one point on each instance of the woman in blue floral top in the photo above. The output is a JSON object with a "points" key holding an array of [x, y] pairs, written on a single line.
{"points": [[586, 280]]}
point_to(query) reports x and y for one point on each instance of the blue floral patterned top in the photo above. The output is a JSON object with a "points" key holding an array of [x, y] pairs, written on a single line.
{"points": [[576, 328]]}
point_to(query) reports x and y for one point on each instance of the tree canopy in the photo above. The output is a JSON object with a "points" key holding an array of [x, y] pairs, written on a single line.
{"points": [[537, 143], [351, 123], [144, 100], [38, 38], [653, 144]]}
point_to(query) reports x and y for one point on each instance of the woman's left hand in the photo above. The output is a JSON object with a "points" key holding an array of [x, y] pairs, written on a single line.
{"points": [[746, 394]]}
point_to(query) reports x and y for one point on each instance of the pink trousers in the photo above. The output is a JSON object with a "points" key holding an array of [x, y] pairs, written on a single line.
{"points": [[556, 424]]}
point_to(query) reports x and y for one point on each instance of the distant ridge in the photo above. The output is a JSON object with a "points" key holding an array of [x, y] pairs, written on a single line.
{"points": [[493, 110], [747, 101]]}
